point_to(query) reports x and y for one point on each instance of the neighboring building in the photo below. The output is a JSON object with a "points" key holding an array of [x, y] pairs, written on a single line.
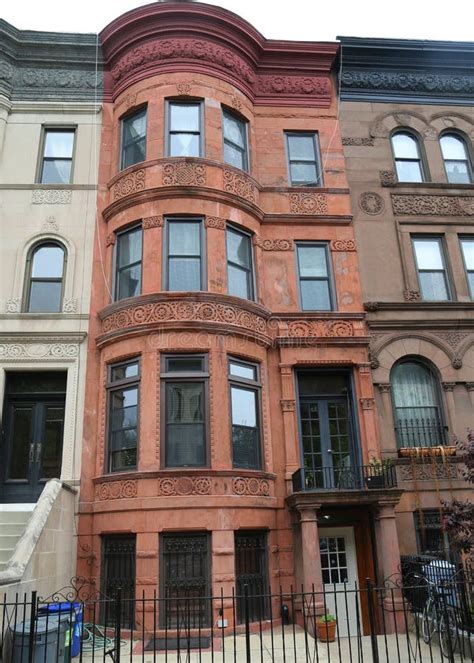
{"points": [[407, 122], [49, 138], [229, 403]]}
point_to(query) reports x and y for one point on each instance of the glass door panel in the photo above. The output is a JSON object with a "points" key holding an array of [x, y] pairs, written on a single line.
{"points": [[52, 442]]}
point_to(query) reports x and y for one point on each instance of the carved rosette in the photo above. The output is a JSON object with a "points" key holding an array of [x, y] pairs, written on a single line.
{"points": [[240, 185], [343, 245], [428, 205], [50, 225], [387, 178], [274, 244], [117, 490], [51, 197], [13, 305], [184, 173], [128, 184], [184, 88], [184, 486], [331, 329], [152, 222], [215, 222], [411, 295], [371, 203], [70, 305], [308, 203], [251, 486]]}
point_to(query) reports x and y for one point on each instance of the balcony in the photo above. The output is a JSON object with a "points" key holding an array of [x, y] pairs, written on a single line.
{"points": [[423, 431], [352, 478]]}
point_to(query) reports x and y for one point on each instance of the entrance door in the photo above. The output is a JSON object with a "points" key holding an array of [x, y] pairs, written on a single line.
{"points": [[32, 441], [326, 443], [339, 572]]}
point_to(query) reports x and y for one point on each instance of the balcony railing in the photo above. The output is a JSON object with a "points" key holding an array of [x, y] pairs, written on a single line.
{"points": [[355, 477], [420, 432]]}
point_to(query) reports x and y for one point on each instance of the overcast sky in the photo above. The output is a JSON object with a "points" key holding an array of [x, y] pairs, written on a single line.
{"points": [[275, 19]]}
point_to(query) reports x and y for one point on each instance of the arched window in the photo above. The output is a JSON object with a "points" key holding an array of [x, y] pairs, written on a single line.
{"points": [[456, 159], [407, 155], [416, 405], [45, 276]]}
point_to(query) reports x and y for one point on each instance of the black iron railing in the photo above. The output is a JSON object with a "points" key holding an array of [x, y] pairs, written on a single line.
{"points": [[354, 477], [424, 431]]}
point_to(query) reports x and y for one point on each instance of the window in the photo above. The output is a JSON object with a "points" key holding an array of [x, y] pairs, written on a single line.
{"points": [[430, 537], [185, 579], [314, 277], [185, 129], [431, 268], [128, 263], [467, 246], [416, 404], [133, 139], [251, 571], [184, 394], [118, 570], [184, 262], [245, 407], [303, 159], [122, 387], [240, 281], [235, 141], [56, 164], [45, 267], [408, 163], [456, 159]]}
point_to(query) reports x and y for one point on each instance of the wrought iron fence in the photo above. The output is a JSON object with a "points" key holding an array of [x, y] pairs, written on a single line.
{"points": [[423, 431], [351, 477], [372, 624]]}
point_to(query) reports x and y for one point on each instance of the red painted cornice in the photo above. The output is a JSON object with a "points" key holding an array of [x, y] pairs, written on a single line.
{"points": [[201, 38]]}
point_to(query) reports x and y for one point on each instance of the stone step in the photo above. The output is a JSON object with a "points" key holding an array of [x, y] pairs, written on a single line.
{"points": [[11, 528], [14, 515], [5, 554]]}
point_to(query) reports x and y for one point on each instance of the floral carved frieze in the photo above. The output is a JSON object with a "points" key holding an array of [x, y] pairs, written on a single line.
{"points": [[308, 203], [422, 205], [274, 244], [327, 328], [184, 173], [240, 185], [116, 490], [251, 486], [304, 85], [371, 203], [128, 184], [343, 245], [358, 142], [184, 486], [152, 222], [26, 351], [215, 222], [13, 305], [428, 471], [51, 197]]}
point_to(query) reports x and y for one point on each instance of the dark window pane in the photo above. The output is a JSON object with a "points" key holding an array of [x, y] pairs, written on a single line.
{"points": [[45, 297], [129, 282], [184, 117], [36, 382], [130, 247], [433, 286], [304, 173], [134, 153], [123, 372], [59, 144], [125, 417], [234, 156], [184, 274], [124, 398], [21, 433], [184, 238], [184, 145], [315, 296], [238, 282], [123, 439], [56, 171], [185, 445], [245, 447], [48, 262], [134, 127], [238, 248], [133, 139], [184, 364], [52, 443], [409, 171], [123, 460], [184, 402], [310, 384], [312, 261]]}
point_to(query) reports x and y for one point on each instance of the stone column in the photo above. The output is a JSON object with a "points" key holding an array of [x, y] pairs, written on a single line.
{"points": [[312, 577], [448, 388], [288, 408], [470, 390], [388, 441]]}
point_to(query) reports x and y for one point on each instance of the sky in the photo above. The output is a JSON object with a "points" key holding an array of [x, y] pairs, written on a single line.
{"points": [[276, 19]]}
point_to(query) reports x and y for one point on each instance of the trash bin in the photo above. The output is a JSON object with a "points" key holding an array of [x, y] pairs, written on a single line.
{"points": [[49, 644], [72, 611], [441, 573]]}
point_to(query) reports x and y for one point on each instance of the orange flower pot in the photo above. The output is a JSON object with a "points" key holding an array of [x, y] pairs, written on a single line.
{"points": [[326, 631]]}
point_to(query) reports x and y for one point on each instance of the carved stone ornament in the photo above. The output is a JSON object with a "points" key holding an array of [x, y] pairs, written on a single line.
{"points": [[51, 197], [308, 203], [152, 222], [367, 403], [343, 245], [384, 387], [305, 85], [50, 225], [240, 185], [128, 184], [287, 405], [26, 351], [428, 471], [130, 100], [305, 328], [371, 203], [456, 362], [428, 205], [13, 305], [117, 490], [184, 486], [453, 338], [252, 486], [184, 87], [61, 79], [387, 178], [371, 307], [236, 102], [70, 305], [448, 386], [359, 142], [374, 362], [274, 244], [184, 173], [405, 82], [110, 239], [215, 222], [411, 295], [469, 386]]}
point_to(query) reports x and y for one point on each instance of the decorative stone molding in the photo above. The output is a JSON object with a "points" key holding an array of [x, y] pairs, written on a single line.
{"points": [[110, 239], [374, 362], [274, 244], [184, 486], [215, 222], [50, 225], [453, 338], [147, 554], [305, 328], [448, 386], [343, 245], [130, 100], [308, 203], [293, 85], [456, 362], [128, 184], [287, 405], [367, 403], [388, 178], [384, 387], [359, 142], [152, 222], [428, 471], [29, 351], [371, 203], [412, 295], [364, 369], [250, 486], [240, 185], [184, 87], [428, 205], [469, 386], [236, 102], [371, 306], [13, 305], [51, 197], [70, 305], [184, 173], [117, 490]]}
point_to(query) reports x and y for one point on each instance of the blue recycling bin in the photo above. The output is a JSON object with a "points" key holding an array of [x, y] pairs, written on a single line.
{"points": [[442, 574], [76, 611]]}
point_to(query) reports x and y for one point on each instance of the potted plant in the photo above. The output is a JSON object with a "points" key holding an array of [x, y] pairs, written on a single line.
{"points": [[326, 628], [378, 472]]}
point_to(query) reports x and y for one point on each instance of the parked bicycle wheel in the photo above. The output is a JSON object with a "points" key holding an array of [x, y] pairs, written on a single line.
{"points": [[428, 620], [448, 632]]}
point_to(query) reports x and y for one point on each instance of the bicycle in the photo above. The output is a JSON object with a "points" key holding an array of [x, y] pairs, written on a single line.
{"points": [[439, 616]]}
